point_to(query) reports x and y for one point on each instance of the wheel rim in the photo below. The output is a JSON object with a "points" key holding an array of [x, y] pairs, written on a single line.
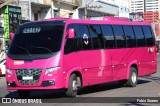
{"points": [[134, 77], [75, 85]]}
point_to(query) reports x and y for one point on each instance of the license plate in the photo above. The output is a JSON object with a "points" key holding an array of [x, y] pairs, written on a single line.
{"points": [[27, 77]]}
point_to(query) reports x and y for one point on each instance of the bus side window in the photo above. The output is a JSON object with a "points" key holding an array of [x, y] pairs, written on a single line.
{"points": [[96, 34], [108, 35], [139, 36], [153, 35], [83, 35], [148, 35], [70, 45], [120, 36], [130, 37]]}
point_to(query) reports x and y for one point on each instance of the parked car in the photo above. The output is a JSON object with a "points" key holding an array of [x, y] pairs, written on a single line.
{"points": [[2, 66]]}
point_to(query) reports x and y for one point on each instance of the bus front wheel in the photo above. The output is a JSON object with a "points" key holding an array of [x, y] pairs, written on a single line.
{"points": [[74, 85], [133, 78]]}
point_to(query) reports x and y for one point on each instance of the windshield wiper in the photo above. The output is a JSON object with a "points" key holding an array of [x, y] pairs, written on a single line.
{"points": [[23, 49], [43, 48]]}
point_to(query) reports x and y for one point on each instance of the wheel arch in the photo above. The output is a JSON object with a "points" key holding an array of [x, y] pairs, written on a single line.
{"points": [[132, 64], [77, 71]]}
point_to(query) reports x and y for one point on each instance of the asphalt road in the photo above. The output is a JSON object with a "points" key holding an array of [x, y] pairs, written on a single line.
{"points": [[148, 86]]}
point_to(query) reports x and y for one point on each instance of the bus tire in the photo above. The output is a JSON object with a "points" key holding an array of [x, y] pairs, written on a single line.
{"points": [[133, 78], [74, 85], [23, 93]]}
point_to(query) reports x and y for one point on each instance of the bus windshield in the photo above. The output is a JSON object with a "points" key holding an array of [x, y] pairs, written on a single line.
{"points": [[36, 41]]}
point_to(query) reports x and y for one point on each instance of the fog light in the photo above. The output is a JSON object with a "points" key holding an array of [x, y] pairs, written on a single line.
{"points": [[12, 84], [48, 83]]}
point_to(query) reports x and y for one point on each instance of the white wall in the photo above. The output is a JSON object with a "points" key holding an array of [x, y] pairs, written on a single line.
{"points": [[75, 15], [65, 9], [123, 7], [45, 13]]}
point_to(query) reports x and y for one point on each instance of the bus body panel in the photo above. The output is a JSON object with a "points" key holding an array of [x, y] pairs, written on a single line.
{"points": [[113, 67]]}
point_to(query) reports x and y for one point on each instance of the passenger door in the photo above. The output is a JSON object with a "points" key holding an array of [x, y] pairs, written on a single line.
{"points": [[77, 53]]}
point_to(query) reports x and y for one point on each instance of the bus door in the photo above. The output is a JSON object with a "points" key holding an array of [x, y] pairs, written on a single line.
{"points": [[77, 53]]}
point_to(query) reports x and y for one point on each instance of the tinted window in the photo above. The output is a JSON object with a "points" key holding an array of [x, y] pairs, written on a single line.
{"points": [[131, 41], [83, 33], [95, 32], [120, 36], [78, 38], [108, 35], [37, 40], [139, 36], [148, 35], [153, 35], [70, 45]]}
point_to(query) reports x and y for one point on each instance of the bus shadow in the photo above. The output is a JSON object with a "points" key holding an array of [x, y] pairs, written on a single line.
{"points": [[52, 94], [40, 94], [155, 79], [105, 87], [141, 81]]}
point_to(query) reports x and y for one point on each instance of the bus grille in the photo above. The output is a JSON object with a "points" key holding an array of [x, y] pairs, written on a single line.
{"points": [[34, 73]]}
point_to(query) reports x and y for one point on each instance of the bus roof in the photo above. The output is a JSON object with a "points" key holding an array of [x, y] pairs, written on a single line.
{"points": [[104, 20], [114, 21]]}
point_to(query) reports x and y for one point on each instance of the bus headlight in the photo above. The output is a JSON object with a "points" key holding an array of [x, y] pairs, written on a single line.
{"points": [[9, 71], [48, 70]]}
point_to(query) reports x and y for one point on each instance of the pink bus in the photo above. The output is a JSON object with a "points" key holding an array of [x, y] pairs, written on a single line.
{"points": [[70, 54]]}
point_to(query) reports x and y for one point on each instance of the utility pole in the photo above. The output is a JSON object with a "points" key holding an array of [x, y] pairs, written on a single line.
{"points": [[85, 12], [85, 9], [59, 7]]}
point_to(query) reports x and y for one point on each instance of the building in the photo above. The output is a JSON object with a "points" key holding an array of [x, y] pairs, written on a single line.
{"points": [[33, 10], [81, 9], [95, 8], [151, 5], [136, 6], [149, 9], [144, 5], [2, 4], [2, 40], [64, 8], [123, 7]]}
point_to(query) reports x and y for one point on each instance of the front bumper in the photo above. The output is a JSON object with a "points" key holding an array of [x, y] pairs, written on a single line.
{"points": [[54, 80]]}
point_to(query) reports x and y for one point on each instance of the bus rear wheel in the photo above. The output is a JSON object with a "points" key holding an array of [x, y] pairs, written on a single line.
{"points": [[133, 78], [74, 85], [23, 93]]}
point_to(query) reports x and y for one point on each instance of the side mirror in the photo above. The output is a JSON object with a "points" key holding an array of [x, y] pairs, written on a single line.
{"points": [[71, 33], [11, 35]]}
